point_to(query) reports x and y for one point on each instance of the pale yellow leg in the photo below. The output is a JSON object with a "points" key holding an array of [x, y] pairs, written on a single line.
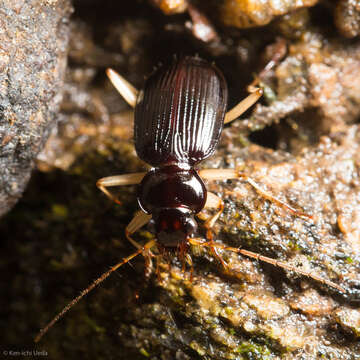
{"points": [[126, 90], [253, 89], [213, 202], [243, 105], [138, 221], [118, 180]]}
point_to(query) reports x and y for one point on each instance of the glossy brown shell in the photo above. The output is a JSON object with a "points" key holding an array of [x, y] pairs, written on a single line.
{"points": [[180, 112]]}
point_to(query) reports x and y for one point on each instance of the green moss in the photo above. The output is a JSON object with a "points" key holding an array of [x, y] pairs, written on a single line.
{"points": [[144, 352], [293, 245], [91, 322], [243, 140], [254, 351], [196, 347], [177, 299], [269, 93], [229, 310], [59, 211]]}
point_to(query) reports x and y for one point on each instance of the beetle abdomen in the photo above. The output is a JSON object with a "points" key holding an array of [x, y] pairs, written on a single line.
{"points": [[180, 112]]}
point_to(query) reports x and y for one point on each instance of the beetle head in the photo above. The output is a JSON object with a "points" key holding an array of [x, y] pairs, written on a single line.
{"points": [[174, 225]]}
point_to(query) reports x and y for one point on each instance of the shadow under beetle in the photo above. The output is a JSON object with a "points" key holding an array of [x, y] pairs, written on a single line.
{"points": [[179, 117]]}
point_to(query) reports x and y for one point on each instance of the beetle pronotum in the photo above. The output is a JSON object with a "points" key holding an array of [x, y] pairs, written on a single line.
{"points": [[179, 116]]}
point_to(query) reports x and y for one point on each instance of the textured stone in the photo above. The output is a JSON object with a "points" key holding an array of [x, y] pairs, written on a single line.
{"points": [[33, 48]]}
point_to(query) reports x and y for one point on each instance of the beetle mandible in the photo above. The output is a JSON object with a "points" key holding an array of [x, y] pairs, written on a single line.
{"points": [[179, 117]]}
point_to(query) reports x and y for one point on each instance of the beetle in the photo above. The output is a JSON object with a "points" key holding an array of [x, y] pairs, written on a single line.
{"points": [[179, 117]]}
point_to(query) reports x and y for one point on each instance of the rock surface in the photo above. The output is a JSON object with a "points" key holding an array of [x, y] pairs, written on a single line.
{"points": [[33, 53]]}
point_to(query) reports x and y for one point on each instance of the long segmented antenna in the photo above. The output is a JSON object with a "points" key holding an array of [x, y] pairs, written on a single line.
{"points": [[95, 283], [266, 259]]}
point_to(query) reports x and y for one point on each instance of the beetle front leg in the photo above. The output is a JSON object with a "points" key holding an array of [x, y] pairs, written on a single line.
{"points": [[214, 202], [118, 180], [138, 221]]}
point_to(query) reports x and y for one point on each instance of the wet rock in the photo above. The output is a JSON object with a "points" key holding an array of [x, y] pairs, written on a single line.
{"points": [[33, 48], [200, 26], [249, 13], [347, 17], [310, 302], [349, 319], [317, 79], [170, 7]]}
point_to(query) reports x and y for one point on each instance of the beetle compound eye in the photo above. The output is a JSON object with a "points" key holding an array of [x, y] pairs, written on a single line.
{"points": [[177, 225]]}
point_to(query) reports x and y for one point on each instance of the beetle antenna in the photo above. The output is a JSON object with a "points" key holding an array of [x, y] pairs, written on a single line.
{"points": [[95, 283], [268, 260]]}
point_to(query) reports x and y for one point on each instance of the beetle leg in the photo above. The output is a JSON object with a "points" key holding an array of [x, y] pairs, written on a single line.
{"points": [[182, 249], [268, 260], [213, 201], [126, 90], [243, 105], [185, 258], [137, 222], [225, 174], [118, 180]]}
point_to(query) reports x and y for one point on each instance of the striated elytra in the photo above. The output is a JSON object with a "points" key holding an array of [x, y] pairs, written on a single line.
{"points": [[179, 116]]}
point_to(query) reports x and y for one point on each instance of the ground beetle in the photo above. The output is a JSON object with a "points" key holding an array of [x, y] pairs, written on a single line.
{"points": [[179, 117]]}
